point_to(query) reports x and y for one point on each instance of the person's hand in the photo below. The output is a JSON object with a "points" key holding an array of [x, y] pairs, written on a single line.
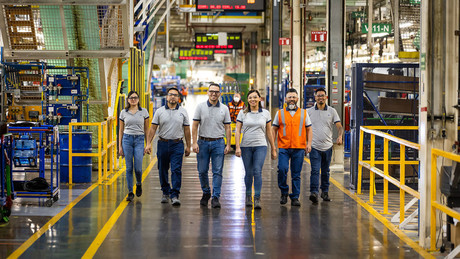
{"points": [[227, 149], [238, 152], [148, 149], [274, 154], [120, 152], [307, 149], [7, 160], [195, 148], [339, 140], [187, 151]]}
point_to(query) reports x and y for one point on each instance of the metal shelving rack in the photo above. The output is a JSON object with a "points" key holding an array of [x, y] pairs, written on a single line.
{"points": [[367, 113]]}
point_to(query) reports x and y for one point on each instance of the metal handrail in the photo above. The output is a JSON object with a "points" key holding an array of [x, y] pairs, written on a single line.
{"points": [[370, 164], [434, 204], [105, 146]]}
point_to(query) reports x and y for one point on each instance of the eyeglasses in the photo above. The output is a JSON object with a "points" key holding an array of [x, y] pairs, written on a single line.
{"points": [[173, 95], [133, 98], [320, 95], [213, 92]]}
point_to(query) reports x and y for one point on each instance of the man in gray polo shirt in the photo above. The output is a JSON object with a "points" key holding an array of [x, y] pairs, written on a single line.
{"points": [[323, 118], [213, 119], [172, 123]]}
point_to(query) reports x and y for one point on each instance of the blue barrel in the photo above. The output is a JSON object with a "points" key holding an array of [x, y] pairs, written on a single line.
{"points": [[82, 166]]}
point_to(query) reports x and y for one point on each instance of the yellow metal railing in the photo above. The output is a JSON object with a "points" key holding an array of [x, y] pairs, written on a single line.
{"points": [[106, 148], [370, 164], [434, 204]]}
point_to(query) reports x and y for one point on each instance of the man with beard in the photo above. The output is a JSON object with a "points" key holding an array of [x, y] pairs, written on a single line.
{"points": [[323, 118], [213, 119], [293, 127], [173, 124]]}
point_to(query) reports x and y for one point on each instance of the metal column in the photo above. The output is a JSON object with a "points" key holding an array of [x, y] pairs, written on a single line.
{"points": [[296, 70], [275, 55]]}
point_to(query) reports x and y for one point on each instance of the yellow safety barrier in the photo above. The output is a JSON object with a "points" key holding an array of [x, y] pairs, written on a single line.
{"points": [[106, 147], [370, 164], [434, 204]]}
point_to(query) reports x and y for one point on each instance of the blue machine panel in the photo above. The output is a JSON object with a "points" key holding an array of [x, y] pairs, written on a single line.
{"points": [[65, 112], [66, 85]]}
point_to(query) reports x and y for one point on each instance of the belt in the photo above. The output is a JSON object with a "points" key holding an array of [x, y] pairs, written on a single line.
{"points": [[166, 140], [209, 139]]}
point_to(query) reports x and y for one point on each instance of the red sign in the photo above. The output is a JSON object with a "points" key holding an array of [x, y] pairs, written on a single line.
{"points": [[285, 41], [318, 36]]}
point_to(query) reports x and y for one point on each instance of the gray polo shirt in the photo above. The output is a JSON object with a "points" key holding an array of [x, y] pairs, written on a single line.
{"points": [[212, 119], [323, 122], [254, 127], [171, 122], [276, 121], [134, 123]]}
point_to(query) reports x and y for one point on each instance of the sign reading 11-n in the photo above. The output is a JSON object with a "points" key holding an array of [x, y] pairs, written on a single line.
{"points": [[377, 28]]}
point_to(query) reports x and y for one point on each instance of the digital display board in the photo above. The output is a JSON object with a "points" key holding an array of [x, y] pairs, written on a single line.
{"points": [[230, 5], [211, 41], [196, 54]]}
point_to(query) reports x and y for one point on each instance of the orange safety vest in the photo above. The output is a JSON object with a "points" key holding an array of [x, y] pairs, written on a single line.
{"points": [[292, 132], [235, 109]]}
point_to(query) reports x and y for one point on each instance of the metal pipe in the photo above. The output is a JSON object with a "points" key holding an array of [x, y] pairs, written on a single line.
{"points": [[431, 37]]}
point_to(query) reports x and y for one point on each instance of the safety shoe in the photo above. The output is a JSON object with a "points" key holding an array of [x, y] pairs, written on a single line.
{"points": [[257, 203], [295, 202], [248, 201], [325, 196], [283, 199], [175, 201], [164, 198], [130, 196], [314, 197], [215, 202], [204, 200], [138, 190]]}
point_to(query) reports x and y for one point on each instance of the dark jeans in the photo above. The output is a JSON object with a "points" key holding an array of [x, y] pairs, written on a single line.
{"points": [[320, 160], [170, 153], [296, 156], [211, 151], [253, 160]]}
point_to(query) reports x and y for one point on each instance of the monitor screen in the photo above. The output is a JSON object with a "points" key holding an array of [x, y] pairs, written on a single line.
{"points": [[196, 54], [211, 41], [230, 5]]}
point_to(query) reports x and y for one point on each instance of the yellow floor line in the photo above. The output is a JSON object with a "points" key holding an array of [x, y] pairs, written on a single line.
{"points": [[18, 252], [382, 219], [113, 219]]}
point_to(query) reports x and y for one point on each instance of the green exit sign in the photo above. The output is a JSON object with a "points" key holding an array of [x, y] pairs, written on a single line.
{"points": [[377, 28], [321, 48], [415, 2], [265, 41], [355, 15]]}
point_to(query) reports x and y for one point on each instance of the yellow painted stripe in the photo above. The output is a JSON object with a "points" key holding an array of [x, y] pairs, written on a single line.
{"points": [[112, 220], [49, 224], [382, 219]]}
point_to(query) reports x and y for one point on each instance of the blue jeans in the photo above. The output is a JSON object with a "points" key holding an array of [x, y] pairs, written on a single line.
{"points": [[133, 148], [170, 153], [253, 160], [214, 151], [320, 160], [296, 156]]}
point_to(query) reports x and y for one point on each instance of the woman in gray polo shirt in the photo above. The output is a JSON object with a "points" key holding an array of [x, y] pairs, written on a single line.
{"points": [[133, 125], [254, 123]]}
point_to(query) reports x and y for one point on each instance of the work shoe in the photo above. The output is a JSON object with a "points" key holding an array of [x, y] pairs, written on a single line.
{"points": [[295, 202], [164, 198], [215, 202], [325, 196], [204, 200], [257, 203], [283, 199], [175, 201], [138, 190], [130, 197], [248, 201], [314, 197]]}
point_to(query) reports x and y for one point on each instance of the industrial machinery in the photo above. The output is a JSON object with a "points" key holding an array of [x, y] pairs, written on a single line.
{"points": [[34, 161]]}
